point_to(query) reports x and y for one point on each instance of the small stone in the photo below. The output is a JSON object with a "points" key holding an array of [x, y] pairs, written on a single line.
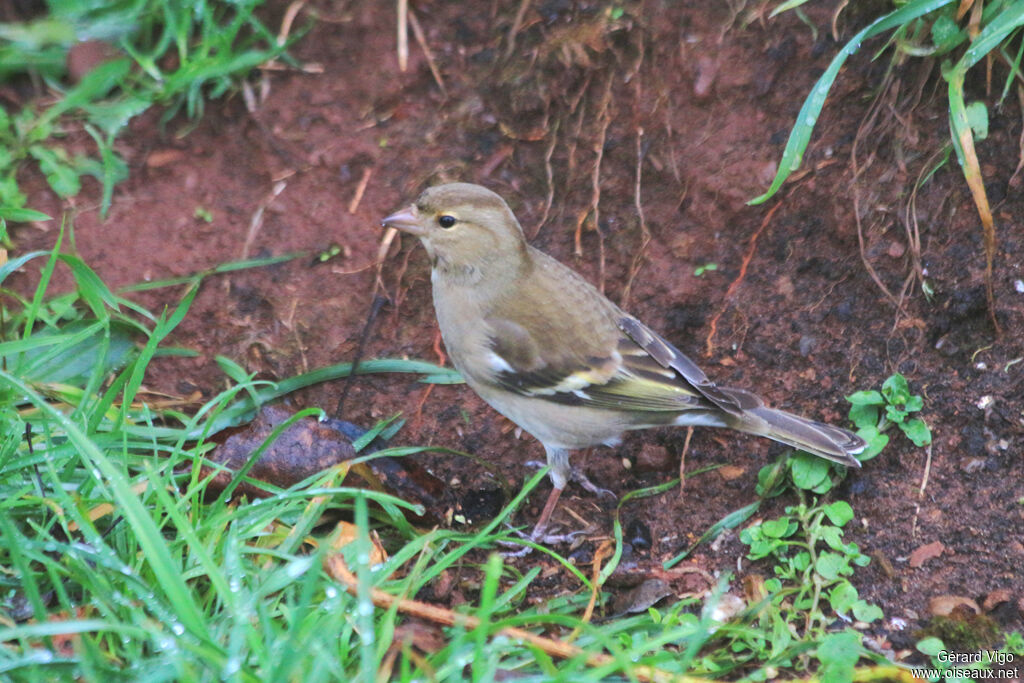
{"points": [[653, 458], [807, 344], [707, 70], [973, 465]]}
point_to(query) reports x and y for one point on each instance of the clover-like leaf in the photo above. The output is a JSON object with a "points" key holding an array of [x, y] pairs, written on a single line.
{"points": [[917, 431], [831, 565], [838, 512], [808, 471], [863, 611], [896, 390], [866, 398], [876, 441]]}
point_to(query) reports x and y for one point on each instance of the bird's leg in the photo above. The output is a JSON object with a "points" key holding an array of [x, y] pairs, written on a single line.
{"points": [[577, 475], [545, 515], [561, 471]]}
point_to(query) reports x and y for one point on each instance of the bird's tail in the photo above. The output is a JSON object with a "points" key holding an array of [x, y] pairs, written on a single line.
{"points": [[817, 438]]}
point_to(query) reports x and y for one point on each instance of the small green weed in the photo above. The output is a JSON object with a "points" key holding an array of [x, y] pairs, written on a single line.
{"points": [[812, 564], [707, 267], [875, 412]]}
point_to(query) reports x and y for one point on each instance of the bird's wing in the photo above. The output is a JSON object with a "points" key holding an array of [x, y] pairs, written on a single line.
{"points": [[733, 401], [624, 376]]}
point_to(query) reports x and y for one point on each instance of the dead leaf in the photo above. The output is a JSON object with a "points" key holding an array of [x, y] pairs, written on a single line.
{"points": [[728, 606], [164, 157], [638, 599], [753, 588], [925, 553], [945, 605], [348, 533], [310, 446], [730, 472], [996, 598]]}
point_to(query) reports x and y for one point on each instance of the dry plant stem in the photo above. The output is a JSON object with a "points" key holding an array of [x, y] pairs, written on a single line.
{"points": [[734, 285], [972, 172], [403, 35], [517, 24], [927, 472], [336, 567], [573, 138], [921, 490], [256, 222], [339, 571], [638, 258], [1020, 140], [549, 175], [867, 125], [417, 31], [974, 25], [289, 18], [963, 8], [360, 189], [912, 228], [682, 462], [417, 416], [602, 553], [835, 19], [382, 253]]}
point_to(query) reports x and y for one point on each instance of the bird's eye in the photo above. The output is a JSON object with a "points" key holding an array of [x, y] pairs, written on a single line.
{"points": [[446, 221]]}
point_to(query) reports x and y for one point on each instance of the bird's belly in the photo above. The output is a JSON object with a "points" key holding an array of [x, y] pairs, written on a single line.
{"points": [[556, 425]]}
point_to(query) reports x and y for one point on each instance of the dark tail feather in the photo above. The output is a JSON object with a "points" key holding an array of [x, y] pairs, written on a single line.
{"points": [[825, 441]]}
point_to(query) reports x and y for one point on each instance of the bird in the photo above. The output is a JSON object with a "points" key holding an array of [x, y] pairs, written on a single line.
{"points": [[543, 347]]}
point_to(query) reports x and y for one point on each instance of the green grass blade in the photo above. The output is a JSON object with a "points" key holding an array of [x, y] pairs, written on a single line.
{"points": [[800, 135]]}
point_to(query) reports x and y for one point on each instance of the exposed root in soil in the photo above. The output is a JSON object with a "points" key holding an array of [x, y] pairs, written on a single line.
{"points": [[645, 233], [709, 342]]}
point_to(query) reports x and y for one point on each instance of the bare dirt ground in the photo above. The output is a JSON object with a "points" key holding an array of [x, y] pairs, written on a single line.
{"points": [[559, 121]]}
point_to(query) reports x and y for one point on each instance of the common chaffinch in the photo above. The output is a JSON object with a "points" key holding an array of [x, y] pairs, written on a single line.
{"points": [[547, 350]]}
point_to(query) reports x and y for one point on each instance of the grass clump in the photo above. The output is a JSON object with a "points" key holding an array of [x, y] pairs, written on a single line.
{"points": [[172, 54]]}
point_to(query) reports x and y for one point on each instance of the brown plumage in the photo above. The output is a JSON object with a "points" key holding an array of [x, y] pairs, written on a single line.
{"points": [[544, 348]]}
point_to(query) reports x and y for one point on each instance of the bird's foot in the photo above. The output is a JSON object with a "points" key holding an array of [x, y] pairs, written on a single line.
{"points": [[581, 479], [577, 475], [540, 537]]}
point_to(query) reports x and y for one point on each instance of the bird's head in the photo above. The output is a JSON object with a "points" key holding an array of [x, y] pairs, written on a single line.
{"points": [[462, 226]]}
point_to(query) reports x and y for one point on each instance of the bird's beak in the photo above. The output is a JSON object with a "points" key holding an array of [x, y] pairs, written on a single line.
{"points": [[405, 220]]}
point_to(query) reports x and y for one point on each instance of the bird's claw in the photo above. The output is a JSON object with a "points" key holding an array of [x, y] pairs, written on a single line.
{"points": [[581, 479], [540, 539]]}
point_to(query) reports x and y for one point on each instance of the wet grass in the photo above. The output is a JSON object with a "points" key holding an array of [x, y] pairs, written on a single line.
{"points": [[119, 564]]}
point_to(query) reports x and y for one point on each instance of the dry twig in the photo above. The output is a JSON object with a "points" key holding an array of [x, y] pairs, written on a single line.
{"points": [[336, 567], [417, 31], [403, 35]]}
